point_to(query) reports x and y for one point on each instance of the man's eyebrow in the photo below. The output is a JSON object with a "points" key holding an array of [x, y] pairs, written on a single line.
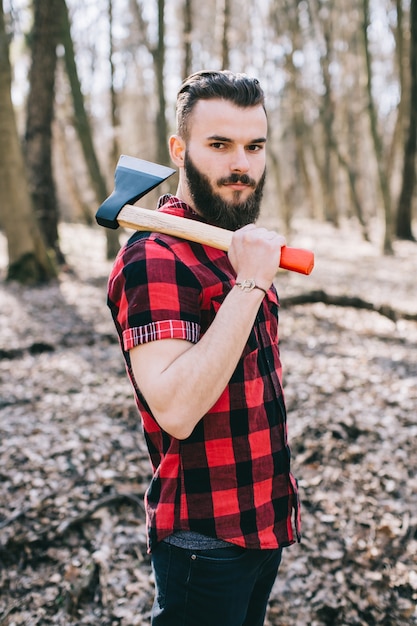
{"points": [[229, 140]]}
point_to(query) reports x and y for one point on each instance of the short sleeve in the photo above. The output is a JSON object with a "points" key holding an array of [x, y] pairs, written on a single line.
{"points": [[153, 294]]}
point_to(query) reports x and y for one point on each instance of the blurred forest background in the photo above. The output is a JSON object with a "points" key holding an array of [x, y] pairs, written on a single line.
{"points": [[82, 82]]}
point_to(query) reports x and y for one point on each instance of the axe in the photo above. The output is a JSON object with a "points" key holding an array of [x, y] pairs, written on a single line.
{"points": [[134, 178]]}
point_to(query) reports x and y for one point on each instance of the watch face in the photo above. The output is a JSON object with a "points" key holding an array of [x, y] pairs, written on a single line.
{"points": [[248, 284]]}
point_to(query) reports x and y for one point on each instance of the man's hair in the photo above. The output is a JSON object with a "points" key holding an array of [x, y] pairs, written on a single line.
{"points": [[239, 89]]}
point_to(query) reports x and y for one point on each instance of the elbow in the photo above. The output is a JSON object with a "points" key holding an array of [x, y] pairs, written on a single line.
{"points": [[181, 434], [178, 428]]}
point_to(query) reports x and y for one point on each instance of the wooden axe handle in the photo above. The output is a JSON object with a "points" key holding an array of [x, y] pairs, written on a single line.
{"points": [[294, 259]]}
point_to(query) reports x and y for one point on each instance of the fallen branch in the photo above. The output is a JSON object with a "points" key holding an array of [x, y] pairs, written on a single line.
{"points": [[27, 509], [114, 498], [53, 531], [355, 302]]}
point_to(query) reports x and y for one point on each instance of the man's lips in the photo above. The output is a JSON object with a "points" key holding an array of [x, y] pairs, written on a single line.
{"points": [[238, 186]]}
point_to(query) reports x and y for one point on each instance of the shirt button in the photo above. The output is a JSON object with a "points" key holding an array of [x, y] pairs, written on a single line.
{"points": [[193, 557]]}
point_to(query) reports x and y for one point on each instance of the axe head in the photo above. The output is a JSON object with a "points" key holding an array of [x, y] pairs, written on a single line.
{"points": [[133, 178]]}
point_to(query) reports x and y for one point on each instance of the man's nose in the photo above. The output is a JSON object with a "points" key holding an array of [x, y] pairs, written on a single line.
{"points": [[239, 162]]}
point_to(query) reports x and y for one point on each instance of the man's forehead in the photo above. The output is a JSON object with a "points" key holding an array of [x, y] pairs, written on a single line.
{"points": [[219, 117]]}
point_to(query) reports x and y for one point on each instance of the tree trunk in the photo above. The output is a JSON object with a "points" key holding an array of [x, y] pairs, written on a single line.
{"points": [[225, 62], [327, 117], [401, 57], [377, 142], [158, 54], [80, 210], [112, 236], [83, 128], [283, 193], [187, 38], [45, 37], [352, 178], [404, 211], [81, 120], [114, 108], [289, 12], [29, 262]]}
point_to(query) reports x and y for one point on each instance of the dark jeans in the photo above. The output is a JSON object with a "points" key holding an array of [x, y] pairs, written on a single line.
{"points": [[220, 587]]}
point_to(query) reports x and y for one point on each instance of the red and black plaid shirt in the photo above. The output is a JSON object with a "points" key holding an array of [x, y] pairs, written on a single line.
{"points": [[231, 478]]}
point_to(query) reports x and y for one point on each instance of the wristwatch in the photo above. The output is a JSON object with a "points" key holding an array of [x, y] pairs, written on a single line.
{"points": [[249, 284]]}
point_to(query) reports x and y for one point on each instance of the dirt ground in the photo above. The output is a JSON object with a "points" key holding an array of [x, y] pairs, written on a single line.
{"points": [[73, 465]]}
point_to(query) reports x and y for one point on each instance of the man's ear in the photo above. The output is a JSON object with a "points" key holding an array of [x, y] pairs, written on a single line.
{"points": [[177, 150]]}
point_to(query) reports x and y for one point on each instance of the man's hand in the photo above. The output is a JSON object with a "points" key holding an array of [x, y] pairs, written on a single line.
{"points": [[255, 253]]}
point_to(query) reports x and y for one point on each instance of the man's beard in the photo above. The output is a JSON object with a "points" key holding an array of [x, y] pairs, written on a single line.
{"points": [[219, 212]]}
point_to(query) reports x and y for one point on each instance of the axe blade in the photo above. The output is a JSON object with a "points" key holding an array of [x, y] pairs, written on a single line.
{"points": [[133, 179]]}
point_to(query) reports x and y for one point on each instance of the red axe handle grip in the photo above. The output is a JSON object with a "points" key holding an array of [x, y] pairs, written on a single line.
{"points": [[294, 259], [297, 260]]}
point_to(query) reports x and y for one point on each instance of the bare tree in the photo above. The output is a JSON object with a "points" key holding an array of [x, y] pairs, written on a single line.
{"points": [[45, 37], [284, 19], [157, 51], [401, 62], [327, 112], [28, 259], [376, 137], [83, 126], [114, 108], [404, 211], [187, 37], [329, 106], [225, 47], [81, 121]]}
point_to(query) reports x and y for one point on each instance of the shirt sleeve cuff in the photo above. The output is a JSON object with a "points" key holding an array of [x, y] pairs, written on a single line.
{"points": [[167, 329]]}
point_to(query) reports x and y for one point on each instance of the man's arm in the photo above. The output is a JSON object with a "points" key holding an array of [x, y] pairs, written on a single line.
{"points": [[180, 380]]}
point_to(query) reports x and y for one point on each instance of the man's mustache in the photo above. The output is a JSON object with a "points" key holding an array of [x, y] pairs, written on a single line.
{"points": [[237, 178]]}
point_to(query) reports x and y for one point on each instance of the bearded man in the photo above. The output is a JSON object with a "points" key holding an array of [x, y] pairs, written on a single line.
{"points": [[198, 328]]}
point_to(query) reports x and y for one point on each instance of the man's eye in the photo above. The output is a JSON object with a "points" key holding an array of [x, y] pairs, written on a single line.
{"points": [[218, 145], [255, 147]]}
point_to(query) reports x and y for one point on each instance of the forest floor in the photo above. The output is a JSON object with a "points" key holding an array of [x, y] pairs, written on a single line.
{"points": [[73, 465]]}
